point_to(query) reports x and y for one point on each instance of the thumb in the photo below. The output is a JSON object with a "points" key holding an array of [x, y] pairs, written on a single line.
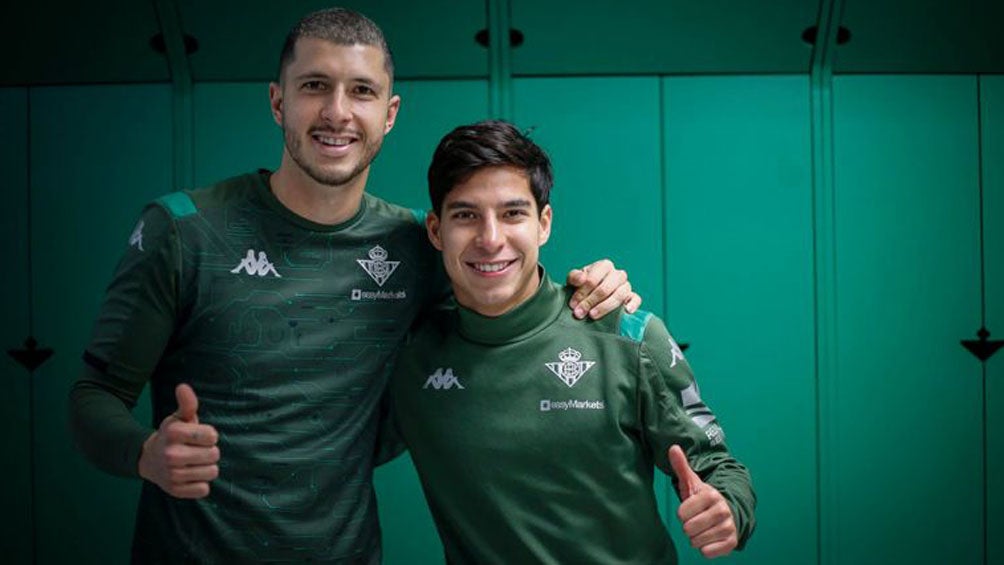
{"points": [[687, 479], [188, 404]]}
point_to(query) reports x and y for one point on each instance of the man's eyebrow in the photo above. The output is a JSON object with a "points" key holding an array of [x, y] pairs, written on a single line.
{"points": [[515, 203], [311, 75], [460, 204]]}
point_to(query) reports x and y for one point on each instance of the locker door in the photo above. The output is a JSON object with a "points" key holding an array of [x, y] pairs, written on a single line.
{"points": [[740, 287], [14, 404], [98, 154], [906, 421], [993, 222]]}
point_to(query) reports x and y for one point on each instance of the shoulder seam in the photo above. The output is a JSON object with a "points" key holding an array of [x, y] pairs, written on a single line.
{"points": [[179, 204], [632, 326], [419, 215]]}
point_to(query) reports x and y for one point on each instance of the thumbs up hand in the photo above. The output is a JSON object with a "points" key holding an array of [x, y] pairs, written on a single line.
{"points": [[706, 516], [181, 456]]}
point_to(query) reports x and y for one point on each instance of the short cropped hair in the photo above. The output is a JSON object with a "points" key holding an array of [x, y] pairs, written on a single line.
{"points": [[340, 26], [490, 143]]}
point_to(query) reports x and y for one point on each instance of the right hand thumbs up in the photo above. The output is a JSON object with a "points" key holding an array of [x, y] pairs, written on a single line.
{"points": [[181, 456], [188, 404]]}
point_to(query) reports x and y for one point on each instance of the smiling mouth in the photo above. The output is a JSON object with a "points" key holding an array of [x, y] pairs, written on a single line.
{"points": [[329, 140], [491, 267]]}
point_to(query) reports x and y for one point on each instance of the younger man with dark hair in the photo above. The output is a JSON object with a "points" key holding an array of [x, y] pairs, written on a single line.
{"points": [[535, 436]]}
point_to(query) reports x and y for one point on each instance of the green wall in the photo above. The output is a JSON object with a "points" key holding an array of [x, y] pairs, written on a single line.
{"points": [[702, 188], [908, 396], [14, 403]]}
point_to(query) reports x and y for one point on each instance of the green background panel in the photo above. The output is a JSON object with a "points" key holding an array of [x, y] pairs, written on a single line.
{"points": [[993, 221], [602, 136], [98, 154], [233, 131], [15, 543], [429, 109], [907, 407], [739, 285]]}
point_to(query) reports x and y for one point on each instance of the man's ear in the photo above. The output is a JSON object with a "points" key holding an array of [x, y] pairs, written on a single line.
{"points": [[275, 101], [432, 228], [544, 232], [392, 108]]}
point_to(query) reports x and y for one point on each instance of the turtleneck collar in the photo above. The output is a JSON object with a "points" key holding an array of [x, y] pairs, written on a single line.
{"points": [[519, 323]]}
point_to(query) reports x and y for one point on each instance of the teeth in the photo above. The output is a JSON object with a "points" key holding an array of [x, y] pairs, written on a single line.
{"points": [[335, 141], [490, 267]]}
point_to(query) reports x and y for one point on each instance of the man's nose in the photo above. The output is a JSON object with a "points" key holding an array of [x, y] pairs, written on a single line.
{"points": [[338, 108], [489, 234]]}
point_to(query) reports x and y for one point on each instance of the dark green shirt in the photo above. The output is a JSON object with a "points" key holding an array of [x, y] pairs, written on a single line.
{"points": [[535, 435], [286, 330]]}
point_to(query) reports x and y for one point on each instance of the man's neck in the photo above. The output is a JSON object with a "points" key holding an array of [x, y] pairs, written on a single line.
{"points": [[321, 204]]}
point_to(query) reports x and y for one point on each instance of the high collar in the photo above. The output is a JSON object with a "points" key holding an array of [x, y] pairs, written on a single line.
{"points": [[518, 324]]}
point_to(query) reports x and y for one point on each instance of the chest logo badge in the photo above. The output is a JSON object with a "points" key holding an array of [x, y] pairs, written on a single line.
{"points": [[571, 368], [377, 266]]}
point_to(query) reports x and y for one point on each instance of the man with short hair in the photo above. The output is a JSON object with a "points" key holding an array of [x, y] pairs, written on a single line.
{"points": [[265, 312], [535, 436]]}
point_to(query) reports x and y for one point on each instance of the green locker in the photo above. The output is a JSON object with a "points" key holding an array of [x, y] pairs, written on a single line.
{"points": [[98, 154], [232, 131], [992, 88], [15, 544], [906, 412], [738, 237]]}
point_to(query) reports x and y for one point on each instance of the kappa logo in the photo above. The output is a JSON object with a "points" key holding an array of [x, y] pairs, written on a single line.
{"points": [[377, 266], [677, 352], [260, 266], [137, 236], [570, 369], [443, 380]]}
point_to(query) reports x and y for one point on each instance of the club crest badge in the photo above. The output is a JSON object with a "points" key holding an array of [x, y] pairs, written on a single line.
{"points": [[377, 266], [571, 368]]}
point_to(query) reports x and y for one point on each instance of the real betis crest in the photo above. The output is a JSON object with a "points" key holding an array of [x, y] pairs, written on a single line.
{"points": [[570, 369], [377, 266]]}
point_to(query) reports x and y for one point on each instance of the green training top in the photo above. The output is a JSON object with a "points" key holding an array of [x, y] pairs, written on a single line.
{"points": [[535, 435], [287, 330]]}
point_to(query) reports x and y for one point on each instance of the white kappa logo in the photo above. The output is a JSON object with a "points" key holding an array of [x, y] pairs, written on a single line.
{"points": [[443, 380], [677, 352], [252, 266], [377, 266], [570, 369], [137, 236]]}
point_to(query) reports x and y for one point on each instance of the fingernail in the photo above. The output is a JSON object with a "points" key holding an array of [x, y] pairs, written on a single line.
{"points": [[580, 312]]}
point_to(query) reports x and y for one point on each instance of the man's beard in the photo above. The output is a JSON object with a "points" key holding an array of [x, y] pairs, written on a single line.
{"points": [[294, 146]]}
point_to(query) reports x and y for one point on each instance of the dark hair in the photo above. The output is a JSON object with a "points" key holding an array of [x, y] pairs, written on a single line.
{"points": [[490, 143], [339, 26]]}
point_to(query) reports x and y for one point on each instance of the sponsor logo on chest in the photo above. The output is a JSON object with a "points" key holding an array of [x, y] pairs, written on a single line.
{"points": [[569, 369]]}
